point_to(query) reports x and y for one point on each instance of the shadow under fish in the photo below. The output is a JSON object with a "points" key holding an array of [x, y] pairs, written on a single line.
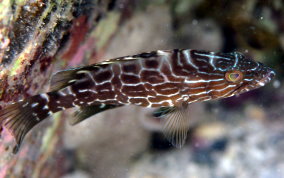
{"points": [[169, 80]]}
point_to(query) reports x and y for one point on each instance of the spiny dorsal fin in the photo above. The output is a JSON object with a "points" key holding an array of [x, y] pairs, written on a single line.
{"points": [[65, 78], [131, 57], [176, 124], [88, 111], [62, 79]]}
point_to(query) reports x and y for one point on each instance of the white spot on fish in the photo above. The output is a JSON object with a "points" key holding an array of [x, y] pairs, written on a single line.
{"points": [[102, 106], [26, 104], [45, 96], [71, 81], [261, 84], [34, 105]]}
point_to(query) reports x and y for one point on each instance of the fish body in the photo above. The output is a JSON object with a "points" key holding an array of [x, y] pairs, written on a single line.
{"points": [[168, 80]]}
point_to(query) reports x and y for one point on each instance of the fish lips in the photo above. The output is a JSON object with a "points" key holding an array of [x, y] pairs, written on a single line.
{"points": [[267, 78]]}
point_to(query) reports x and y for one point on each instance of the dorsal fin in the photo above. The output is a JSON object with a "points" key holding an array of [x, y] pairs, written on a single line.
{"points": [[65, 78], [62, 79]]}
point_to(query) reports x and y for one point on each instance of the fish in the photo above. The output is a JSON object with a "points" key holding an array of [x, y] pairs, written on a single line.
{"points": [[168, 80]]}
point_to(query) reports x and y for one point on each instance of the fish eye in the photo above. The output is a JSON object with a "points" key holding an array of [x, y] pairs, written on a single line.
{"points": [[234, 76]]}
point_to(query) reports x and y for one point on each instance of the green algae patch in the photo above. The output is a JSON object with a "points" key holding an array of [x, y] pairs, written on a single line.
{"points": [[105, 29], [16, 67], [49, 139], [4, 10]]}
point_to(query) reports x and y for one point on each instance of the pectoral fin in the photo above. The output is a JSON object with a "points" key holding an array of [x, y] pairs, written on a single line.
{"points": [[176, 124], [162, 111], [88, 111]]}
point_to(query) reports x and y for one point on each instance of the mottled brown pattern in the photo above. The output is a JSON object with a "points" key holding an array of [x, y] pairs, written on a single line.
{"points": [[166, 70], [122, 98], [151, 63], [139, 101], [167, 88], [177, 67], [168, 79], [104, 88], [151, 77], [156, 99], [163, 76], [186, 65], [132, 68], [161, 104], [131, 79], [83, 83], [106, 96], [116, 81], [102, 76], [135, 91]]}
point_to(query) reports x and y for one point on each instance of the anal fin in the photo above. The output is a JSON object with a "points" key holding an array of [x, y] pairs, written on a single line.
{"points": [[176, 123], [88, 111]]}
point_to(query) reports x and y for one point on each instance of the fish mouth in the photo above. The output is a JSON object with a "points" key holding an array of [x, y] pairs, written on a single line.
{"points": [[239, 90], [267, 78]]}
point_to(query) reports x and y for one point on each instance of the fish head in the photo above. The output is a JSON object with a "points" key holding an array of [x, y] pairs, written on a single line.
{"points": [[244, 74]]}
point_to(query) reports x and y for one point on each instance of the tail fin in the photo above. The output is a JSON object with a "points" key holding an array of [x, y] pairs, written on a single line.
{"points": [[19, 118]]}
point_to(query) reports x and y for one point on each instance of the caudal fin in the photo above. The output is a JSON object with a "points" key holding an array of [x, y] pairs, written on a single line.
{"points": [[19, 118]]}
